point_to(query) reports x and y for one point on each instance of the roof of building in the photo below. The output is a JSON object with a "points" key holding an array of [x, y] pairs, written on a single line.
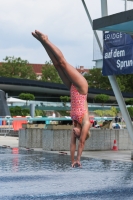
{"points": [[38, 68]]}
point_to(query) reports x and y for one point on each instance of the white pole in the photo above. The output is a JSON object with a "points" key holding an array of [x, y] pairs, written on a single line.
{"points": [[104, 8], [91, 22], [32, 110], [125, 5]]}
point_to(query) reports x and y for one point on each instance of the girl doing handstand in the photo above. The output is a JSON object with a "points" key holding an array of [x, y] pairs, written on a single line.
{"points": [[78, 87]]}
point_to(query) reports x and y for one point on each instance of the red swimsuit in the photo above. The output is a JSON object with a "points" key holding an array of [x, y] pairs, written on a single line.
{"points": [[77, 104]]}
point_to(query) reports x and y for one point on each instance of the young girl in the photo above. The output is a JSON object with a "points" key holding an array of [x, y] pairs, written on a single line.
{"points": [[78, 87]]}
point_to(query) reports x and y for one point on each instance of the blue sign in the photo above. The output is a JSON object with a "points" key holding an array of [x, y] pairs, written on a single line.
{"points": [[117, 53]]}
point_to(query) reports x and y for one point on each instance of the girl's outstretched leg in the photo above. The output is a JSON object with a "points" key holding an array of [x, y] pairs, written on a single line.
{"points": [[72, 74], [61, 73]]}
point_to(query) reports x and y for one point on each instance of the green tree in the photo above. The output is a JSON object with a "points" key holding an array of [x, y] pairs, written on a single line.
{"points": [[127, 82], [120, 83], [17, 68], [49, 73], [95, 79]]}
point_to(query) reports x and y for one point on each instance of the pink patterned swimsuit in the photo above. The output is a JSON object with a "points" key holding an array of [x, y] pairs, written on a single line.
{"points": [[77, 105]]}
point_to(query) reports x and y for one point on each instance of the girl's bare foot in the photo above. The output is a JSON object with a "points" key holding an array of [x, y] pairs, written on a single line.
{"points": [[40, 36]]}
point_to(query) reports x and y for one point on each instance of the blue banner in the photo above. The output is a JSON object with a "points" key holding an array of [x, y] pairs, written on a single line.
{"points": [[117, 53]]}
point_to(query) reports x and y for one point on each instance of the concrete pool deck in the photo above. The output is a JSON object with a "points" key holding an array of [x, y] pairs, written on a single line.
{"points": [[120, 155], [9, 141]]}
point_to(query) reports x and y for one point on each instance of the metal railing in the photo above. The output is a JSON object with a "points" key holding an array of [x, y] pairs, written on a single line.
{"points": [[8, 123], [5, 125]]}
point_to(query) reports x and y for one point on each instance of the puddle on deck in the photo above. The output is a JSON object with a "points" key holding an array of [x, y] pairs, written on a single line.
{"points": [[36, 175]]}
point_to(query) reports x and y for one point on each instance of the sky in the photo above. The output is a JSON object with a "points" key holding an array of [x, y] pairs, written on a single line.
{"points": [[64, 21]]}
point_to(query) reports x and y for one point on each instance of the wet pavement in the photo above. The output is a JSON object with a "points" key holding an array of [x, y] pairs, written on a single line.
{"points": [[28, 174]]}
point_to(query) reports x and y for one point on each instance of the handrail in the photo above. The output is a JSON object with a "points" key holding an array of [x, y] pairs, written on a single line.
{"points": [[36, 118], [30, 119]]}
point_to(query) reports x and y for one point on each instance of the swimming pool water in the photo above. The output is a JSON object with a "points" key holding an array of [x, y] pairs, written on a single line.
{"points": [[38, 175]]}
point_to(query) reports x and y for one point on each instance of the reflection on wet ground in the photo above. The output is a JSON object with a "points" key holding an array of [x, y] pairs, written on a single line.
{"points": [[37, 175]]}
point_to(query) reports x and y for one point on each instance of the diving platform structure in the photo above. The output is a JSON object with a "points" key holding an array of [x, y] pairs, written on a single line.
{"points": [[120, 22]]}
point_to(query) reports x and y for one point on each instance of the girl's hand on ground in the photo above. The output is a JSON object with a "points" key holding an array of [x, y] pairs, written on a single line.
{"points": [[76, 164]]}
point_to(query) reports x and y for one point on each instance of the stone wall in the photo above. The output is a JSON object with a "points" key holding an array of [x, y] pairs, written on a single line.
{"points": [[30, 138], [57, 138]]}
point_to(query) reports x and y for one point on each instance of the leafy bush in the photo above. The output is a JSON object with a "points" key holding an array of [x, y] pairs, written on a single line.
{"points": [[63, 112], [129, 101], [101, 98], [130, 110], [18, 111], [64, 98], [40, 113], [26, 96], [112, 112], [99, 113]]}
